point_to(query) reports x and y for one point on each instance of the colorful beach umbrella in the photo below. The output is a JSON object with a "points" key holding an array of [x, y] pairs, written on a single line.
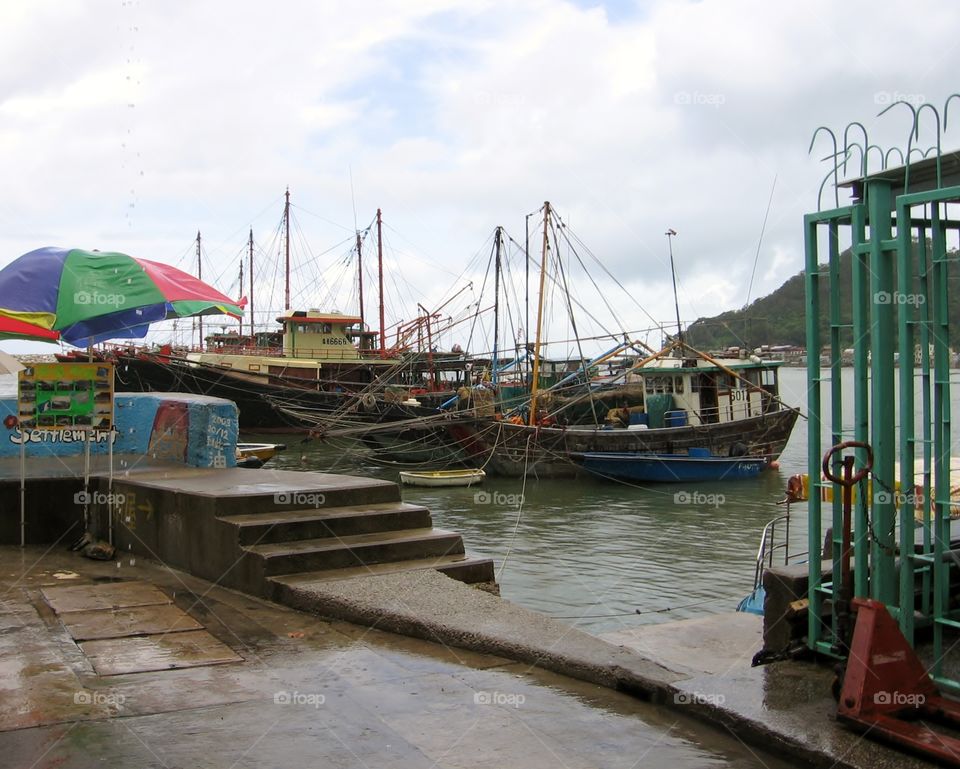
{"points": [[91, 296], [12, 328]]}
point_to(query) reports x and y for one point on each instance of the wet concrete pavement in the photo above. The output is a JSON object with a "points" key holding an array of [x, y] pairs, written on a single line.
{"points": [[698, 668], [306, 691]]}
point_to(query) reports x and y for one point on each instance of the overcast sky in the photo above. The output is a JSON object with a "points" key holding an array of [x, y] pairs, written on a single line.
{"points": [[130, 125]]}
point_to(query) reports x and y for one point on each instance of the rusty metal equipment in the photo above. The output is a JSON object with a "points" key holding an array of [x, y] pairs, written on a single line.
{"points": [[887, 692]]}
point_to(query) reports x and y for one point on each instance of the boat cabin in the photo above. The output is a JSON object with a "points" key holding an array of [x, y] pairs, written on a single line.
{"points": [[325, 335], [681, 391]]}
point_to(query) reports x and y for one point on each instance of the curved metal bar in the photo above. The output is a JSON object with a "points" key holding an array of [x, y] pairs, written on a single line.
{"points": [[863, 151], [946, 109], [836, 180], [886, 158], [847, 150], [936, 115], [913, 132], [825, 180], [883, 158]]}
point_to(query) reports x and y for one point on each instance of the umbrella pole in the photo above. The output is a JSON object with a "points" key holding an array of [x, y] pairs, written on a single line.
{"points": [[110, 502], [23, 489], [86, 480]]}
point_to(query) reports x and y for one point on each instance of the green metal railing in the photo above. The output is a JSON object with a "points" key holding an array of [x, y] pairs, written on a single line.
{"points": [[897, 299]]}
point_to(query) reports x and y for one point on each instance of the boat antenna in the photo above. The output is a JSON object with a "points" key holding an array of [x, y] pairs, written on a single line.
{"points": [[199, 277], [286, 225], [383, 331], [253, 329], [356, 228], [673, 274]]}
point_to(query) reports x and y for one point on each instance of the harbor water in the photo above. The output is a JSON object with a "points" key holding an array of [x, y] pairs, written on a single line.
{"points": [[604, 555]]}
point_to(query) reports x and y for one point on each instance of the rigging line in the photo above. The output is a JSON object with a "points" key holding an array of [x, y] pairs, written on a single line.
{"points": [[573, 325], [614, 336], [317, 216], [611, 276], [606, 302], [763, 228], [516, 527], [417, 250], [483, 289]]}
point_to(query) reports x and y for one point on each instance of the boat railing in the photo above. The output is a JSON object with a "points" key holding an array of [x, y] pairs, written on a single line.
{"points": [[775, 539]]}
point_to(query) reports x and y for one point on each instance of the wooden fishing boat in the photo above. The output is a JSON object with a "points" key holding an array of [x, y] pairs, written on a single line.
{"points": [[671, 468], [442, 477], [254, 455]]}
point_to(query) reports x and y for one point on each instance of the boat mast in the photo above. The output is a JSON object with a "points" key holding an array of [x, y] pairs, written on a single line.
{"points": [[286, 225], [383, 338], [673, 274], [360, 282], [241, 294], [199, 277], [253, 328], [498, 240], [534, 385]]}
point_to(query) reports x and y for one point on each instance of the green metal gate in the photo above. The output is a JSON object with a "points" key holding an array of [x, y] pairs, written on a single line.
{"points": [[898, 229]]}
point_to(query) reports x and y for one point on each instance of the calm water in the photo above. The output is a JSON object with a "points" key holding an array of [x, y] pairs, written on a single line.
{"points": [[593, 552]]}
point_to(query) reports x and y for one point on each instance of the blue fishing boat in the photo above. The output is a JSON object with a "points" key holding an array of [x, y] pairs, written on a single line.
{"points": [[671, 468]]}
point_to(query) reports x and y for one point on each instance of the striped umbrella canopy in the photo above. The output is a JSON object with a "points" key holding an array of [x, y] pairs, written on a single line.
{"points": [[91, 296], [13, 328]]}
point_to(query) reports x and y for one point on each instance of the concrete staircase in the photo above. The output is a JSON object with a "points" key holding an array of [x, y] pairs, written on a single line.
{"points": [[267, 531], [291, 548]]}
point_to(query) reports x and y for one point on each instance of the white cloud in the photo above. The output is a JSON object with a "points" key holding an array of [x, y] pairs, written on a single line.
{"points": [[453, 118]]}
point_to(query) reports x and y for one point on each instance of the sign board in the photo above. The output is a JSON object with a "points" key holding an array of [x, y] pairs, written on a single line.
{"points": [[57, 396]]}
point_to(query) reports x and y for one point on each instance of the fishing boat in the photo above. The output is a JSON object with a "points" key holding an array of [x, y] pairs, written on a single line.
{"points": [[675, 403], [256, 455], [717, 409], [697, 465], [442, 477], [314, 362]]}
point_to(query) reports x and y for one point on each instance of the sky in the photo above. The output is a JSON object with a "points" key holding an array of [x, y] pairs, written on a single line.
{"points": [[130, 126]]}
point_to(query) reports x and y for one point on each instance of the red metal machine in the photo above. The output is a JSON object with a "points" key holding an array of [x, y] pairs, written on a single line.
{"points": [[888, 693]]}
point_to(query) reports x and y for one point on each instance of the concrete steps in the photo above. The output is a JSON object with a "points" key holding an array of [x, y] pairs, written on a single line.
{"points": [[357, 550], [315, 523], [283, 547], [460, 566]]}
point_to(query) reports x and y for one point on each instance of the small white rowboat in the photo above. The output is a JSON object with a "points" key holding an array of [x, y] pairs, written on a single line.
{"points": [[442, 477]]}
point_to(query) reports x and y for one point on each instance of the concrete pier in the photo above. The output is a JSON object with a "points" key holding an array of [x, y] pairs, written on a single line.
{"points": [[300, 691]]}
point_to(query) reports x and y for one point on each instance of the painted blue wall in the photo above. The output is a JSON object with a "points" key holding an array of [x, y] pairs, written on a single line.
{"points": [[196, 430]]}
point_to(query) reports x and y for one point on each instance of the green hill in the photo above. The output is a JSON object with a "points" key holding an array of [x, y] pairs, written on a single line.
{"points": [[779, 318]]}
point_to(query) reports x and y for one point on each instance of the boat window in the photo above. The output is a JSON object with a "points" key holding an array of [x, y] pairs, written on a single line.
{"points": [[769, 377], [678, 384], [326, 328], [303, 328], [659, 384]]}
